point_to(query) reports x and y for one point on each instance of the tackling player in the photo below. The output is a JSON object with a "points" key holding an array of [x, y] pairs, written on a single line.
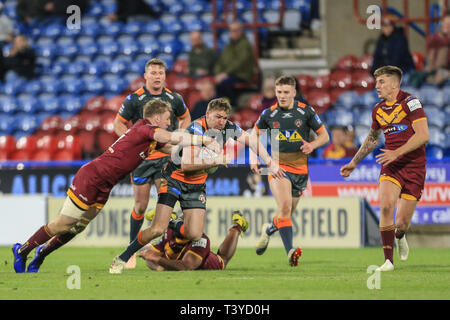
{"points": [[92, 184], [185, 182], [150, 169], [400, 116], [288, 123], [179, 254]]}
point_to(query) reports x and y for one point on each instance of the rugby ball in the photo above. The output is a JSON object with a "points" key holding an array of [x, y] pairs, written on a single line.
{"points": [[208, 154]]}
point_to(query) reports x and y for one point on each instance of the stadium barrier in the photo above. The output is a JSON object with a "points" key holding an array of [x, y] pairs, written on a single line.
{"points": [[317, 222]]}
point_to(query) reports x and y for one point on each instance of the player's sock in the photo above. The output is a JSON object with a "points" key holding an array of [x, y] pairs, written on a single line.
{"points": [[136, 221], [133, 247], [39, 237], [399, 233], [272, 228], [284, 226], [236, 226], [387, 238], [57, 241], [178, 227]]}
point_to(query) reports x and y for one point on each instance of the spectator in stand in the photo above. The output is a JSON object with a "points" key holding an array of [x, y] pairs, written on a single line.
{"points": [[129, 8], [437, 67], [6, 28], [201, 58], [350, 139], [207, 92], [338, 148], [21, 59], [236, 63], [28, 10], [268, 91], [392, 47]]}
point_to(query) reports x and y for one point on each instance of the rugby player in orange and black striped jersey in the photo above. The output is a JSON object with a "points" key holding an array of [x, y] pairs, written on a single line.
{"points": [[185, 181], [288, 124], [131, 111], [403, 121]]}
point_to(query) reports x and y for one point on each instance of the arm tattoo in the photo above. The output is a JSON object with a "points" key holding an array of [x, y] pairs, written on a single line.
{"points": [[368, 146]]}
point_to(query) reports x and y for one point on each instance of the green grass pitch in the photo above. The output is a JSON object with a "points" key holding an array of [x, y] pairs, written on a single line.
{"points": [[321, 274]]}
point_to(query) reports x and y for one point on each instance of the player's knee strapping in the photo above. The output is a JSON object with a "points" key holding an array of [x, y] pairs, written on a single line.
{"points": [[80, 226]]}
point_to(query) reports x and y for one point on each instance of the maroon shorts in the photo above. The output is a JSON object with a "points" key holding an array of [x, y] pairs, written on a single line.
{"points": [[213, 262], [88, 189], [410, 180]]}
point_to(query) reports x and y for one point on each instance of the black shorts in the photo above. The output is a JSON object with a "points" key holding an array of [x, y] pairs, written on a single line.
{"points": [[190, 196], [149, 170]]}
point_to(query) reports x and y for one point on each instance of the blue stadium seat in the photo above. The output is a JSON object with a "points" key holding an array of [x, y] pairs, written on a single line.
{"points": [[429, 95], [348, 99], [168, 59], [70, 104], [7, 124], [96, 86], [177, 8], [154, 27], [77, 68], [195, 25], [33, 87], [133, 28], [199, 7], [8, 105], [131, 48], [434, 152], [145, 38], [174, 27], [69, 51], [173, 47], [59, 67], [12, 87], [85, 40], [120, 66], [369, 99], [96, 9], [435, 116], [339, 117], [89, 49], [51, 85], [138, 65], [49, 50], [75, 86], [361, 132], [28, 104], [97, 68], [53, 31], [49, 104], [26, 124], [437, 136], [116, 87], [292, 20], [110, 48]]}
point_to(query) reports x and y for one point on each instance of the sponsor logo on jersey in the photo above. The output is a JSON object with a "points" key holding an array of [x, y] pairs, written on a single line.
{"points": [[395, 128], [286, 115], [200, 243], [301, 111], [298, 123], [129, 97], [170, 96], [414, 105], [289, 135], [318, 119], [202, 198], [276, 124], [196, 128], [274, 113], [142, 97]]}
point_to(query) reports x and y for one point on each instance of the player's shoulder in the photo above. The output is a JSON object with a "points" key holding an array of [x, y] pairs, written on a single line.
{"points": [[136, 95], [197, 126], [410, 101], [172, 94]]}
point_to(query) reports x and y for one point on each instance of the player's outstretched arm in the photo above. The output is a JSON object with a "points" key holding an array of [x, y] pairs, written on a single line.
{"points": [[191, 161], [370, 143], [322, 138], [189, 262], [252, 141], [184, 139]]}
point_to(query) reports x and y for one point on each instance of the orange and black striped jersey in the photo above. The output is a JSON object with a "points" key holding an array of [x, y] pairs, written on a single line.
{"points": [[199, 127], [286, 128], [395, 119]]}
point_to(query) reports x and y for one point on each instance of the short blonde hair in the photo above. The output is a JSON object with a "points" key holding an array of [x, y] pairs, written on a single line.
{"points": [[155, 62], [390, 71], [219, 104], [156, 106]]}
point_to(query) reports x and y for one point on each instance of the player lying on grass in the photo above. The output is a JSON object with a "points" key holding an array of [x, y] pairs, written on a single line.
{"points": [[173, 252], [92, 184]]}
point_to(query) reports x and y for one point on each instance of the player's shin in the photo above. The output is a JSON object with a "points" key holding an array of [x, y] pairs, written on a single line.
{"points": [[133, 247], [39, 237], [387, 238], [136, 221]]}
